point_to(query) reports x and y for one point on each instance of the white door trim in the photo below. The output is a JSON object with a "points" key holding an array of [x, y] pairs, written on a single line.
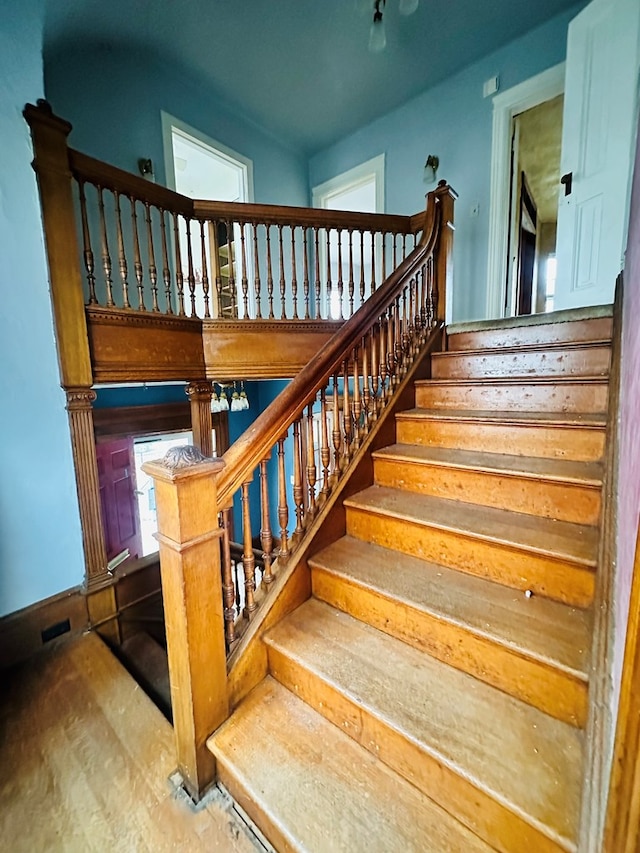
{"points": [[361, 174], [536, 90]]}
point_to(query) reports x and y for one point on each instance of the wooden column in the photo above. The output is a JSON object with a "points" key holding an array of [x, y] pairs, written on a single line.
{"points": [[190, 565], [445, 197], [199, 394]]}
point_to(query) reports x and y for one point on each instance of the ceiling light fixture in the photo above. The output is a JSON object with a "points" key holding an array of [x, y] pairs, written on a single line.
{"points": [[377, 33]]}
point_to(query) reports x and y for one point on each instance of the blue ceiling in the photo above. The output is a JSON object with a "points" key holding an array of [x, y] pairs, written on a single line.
{"points": [[301, 69]]}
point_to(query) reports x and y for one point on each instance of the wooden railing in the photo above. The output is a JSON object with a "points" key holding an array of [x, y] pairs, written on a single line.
{"points": [[148, 249], [295, 456]]}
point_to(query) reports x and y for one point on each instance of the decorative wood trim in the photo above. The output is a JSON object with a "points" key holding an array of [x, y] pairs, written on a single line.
{"points": [[141, 420], [21, 631], [600, 726], [190, 565], [199, 394], [51, 164], [83, 446], [444, 252]]}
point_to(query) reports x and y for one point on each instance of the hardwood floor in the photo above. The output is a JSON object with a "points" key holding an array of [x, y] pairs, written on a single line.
{"points": [[86, 759]]}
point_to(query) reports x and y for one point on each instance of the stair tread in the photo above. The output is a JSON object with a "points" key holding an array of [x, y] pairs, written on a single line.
{"points": [[551, 346], [535, 627], [562, 539], [594, 419], [321, 790], [597, 379], [519, 755], [565, 470]]}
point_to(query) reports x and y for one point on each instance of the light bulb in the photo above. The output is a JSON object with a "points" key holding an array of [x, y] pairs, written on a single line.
{"points": [[377, 34], [244, 400], [215, 403], [408, 7], [224, 403]]}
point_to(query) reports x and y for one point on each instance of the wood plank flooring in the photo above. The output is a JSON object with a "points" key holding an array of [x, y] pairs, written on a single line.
{"points": [[86, 759]]}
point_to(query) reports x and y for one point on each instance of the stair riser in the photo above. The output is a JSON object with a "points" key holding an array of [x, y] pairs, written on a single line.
{"points": [[587, 361], [524, 397], [489, 819], [557, 578], [580, 443], [549, 499], [550, 689], [549, 333]]}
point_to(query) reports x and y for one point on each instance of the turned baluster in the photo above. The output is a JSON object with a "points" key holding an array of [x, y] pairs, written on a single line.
{"points": [[244, 280], [405, 340], [248, 560], [122, 260], [205, 272], [373, 262], [433, 280], [346, 412], [395, 251], [231, 267], [269, 274], [404, 246], [283, 508], [87, 253], [137, 262], [383, 362], [305, 274], [385, 236], [106, 257], [422, 307], [257, 285], [391, 355], [397, 343], [351, 282], [179, 273], [340, 281], [375, 378], [325, 452], [356, 404], [318, 286], [153, 271], [266, 537], [166, 271], [366, 395], [329, 282], [298, 491], [311, 462], [283, 284], [228, 587], [362, 281], [294, 274], [191, 279], [336, 434]]}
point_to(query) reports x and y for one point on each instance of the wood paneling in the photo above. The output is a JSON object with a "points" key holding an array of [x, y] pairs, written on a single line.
{"points": [[141, 420]]}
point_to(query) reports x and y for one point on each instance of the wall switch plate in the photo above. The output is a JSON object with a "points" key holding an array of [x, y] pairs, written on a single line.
{"points": [[491, 86]]}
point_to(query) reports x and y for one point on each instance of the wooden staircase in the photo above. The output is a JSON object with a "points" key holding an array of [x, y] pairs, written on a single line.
{"points": [[432, 694]]}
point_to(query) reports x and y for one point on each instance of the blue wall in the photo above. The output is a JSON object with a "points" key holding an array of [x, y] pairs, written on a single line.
{"points": [[114, 98], [453, 121], [40, 540]]}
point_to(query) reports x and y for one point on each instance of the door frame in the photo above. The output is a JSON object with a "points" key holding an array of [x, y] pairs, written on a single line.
{"points": [[530, 93]]}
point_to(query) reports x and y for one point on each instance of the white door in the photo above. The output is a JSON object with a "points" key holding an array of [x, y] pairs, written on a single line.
{"points": [[600, 110]]}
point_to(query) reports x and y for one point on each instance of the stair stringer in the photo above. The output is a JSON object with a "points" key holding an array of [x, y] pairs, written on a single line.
{"points": [[248, 664]]}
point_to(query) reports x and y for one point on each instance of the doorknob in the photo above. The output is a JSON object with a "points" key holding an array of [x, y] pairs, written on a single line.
{"points": [[567, 180]]}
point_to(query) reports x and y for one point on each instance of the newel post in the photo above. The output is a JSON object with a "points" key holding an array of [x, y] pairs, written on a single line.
{"points": [[445, 199], [190, 565]]}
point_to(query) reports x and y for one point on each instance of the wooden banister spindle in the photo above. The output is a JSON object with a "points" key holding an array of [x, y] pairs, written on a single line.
{"points": [[179, 273], [205, 272], [336, 434], [375, 372], [137, 261], [294, 273], [362, 280], [366, 394], [244, 278], [329, 283], [318, 286], [231, 264], [228, 586], [257, 285], [191, 279], [351, 284], [405, 339], [153, 270], [385, 235], [283, 508], [357, 404], [325, 451], [266, 536], [298, 492], [395, 251], [340, 281], [373, 262], [106, 257], [166, 273], [404, 246], [269, 274], [346, 412], [305, 275], [122, 260], [87, 253], [248, 560], [311, 462], [433, 294], [283, 283], [397, 340], [391, 352]]}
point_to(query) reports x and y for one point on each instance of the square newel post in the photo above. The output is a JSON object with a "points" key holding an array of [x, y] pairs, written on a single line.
{"points": [[444, 249], [189, 537]]}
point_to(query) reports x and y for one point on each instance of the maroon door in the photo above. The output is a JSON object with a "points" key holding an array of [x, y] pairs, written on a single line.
{"points": [[117, 478]]}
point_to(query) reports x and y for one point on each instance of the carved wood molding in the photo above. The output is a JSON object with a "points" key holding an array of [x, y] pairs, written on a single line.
{"points": [[147, 319], [199, 394]]}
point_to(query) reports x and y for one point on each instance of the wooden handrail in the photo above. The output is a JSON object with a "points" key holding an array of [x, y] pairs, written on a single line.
{"points": [[258, 440]]}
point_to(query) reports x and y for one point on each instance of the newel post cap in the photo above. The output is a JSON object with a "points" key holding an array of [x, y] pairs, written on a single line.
{"points": [[183, 463]]}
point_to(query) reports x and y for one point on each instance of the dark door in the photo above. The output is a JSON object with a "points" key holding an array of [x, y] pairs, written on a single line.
{"points": [[117, 480]]}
